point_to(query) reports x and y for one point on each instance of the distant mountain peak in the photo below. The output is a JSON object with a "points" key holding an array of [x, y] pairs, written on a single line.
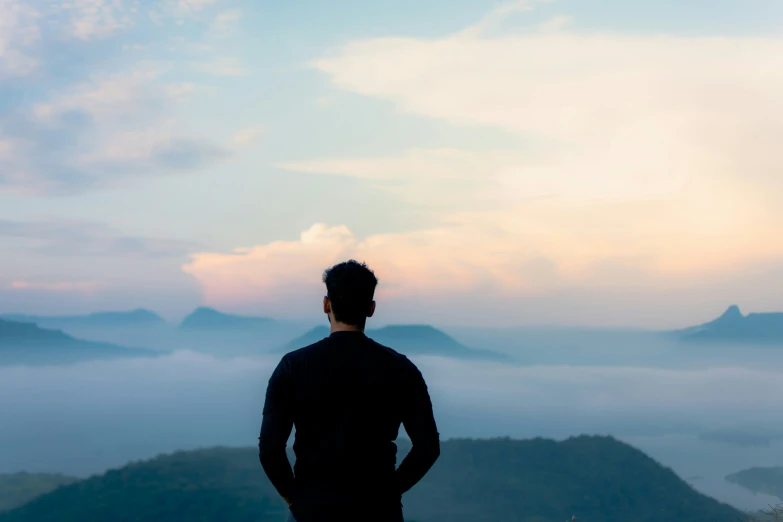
{"points": [[409, 339], [733, 326], [732, 312], [205, 317]]}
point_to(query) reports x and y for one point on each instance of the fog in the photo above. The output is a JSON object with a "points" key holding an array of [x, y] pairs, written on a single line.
{"points": [[89, 417]]}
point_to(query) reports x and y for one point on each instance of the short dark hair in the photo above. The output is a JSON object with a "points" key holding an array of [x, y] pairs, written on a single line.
{"points": [[350, 287]]}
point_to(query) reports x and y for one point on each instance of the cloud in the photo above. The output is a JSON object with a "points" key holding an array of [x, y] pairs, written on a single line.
{"points": [[642, 161], [18, 34], [249, 135], [110, 119], [421, 264], [106, 98], [103, 132], [59, 286], [194, 6], [222, 66], [511, 270], [501, 13], [87, 239], [555, 23], [225, 23], [90, 19]]}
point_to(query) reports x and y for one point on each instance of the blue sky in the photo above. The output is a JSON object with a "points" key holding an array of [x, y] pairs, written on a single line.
{"points": [[142, 142]]}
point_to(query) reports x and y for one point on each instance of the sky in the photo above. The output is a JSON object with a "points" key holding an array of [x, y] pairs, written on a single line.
{"points": [[558, 162]]}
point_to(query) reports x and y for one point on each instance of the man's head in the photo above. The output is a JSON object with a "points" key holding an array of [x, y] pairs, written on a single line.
{"points": [[350, 287]]}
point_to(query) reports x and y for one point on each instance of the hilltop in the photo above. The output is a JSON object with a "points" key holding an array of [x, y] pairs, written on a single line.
{"points": [[18, 489], [595, 478], [734, 327], [408, 340], [205, 318], [27, 343]]}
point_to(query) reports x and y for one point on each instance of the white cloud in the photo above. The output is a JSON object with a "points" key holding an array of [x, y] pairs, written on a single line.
{"points": [[225, 22], [18, 33], [224, 66], [195, 6], [89, 19], [500, 13], [555, 23], [657, 150], [249, 135], [104, 98]]}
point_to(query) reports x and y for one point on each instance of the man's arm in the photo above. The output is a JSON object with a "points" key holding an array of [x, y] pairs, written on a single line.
{"points": [[275, 430], [419, 423]]}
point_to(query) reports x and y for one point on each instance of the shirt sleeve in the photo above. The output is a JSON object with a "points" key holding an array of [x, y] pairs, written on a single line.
{"points": [[276, 427], [419, 422]]}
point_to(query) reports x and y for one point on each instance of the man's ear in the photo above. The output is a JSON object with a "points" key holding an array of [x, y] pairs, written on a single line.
{"points": [[372, 309], [327, 305]]}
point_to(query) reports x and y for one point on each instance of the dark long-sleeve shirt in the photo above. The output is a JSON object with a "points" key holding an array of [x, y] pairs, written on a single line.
{"points": [[347, 397]]}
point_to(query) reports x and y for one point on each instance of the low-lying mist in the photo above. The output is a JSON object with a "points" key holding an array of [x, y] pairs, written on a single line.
{"points": [[85, 418]]}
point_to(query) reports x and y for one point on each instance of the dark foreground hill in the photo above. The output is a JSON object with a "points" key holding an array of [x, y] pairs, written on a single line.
{"points": [[595, 478], [18, 489], [734, 327], [26, 343], [409, 340], [768, 481]]}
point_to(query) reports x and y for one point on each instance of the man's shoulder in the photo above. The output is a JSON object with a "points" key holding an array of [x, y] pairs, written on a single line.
{"points": [[303, 351], [391, 353]]}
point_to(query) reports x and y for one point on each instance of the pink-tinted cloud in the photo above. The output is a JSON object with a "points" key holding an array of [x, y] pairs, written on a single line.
{"points": [[59, 286]]}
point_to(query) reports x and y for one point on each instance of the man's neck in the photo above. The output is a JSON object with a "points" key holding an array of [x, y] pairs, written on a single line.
{"points": [[342, 327]]}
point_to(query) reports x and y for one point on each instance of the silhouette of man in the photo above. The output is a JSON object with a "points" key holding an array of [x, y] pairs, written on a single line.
{"points": [[347, 396]]}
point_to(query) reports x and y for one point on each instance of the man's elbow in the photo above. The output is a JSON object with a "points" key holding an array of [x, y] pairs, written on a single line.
{"points": [[268, 454], [430, 448]]}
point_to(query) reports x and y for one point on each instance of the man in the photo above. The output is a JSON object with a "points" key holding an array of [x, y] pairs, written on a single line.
{"points": [[347, 396]]}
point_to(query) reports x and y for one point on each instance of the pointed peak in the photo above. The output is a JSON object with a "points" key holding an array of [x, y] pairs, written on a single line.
{"points": [[733, 312]]}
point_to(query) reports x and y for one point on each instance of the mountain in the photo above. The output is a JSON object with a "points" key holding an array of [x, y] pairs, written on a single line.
{"points": [[539, 480], [18, 489], [768, 481], [133, 318], [408, 340], [737, 438], [27, 343], [734, 327], [204, 318]]}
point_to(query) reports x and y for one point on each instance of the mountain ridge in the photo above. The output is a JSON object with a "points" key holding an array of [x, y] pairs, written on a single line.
{"points": [[207, 318], [734, 327], [486, 480], [135, 317], [28, 343], [408, 339]]}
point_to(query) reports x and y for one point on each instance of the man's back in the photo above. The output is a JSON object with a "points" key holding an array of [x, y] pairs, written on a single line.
{"points": [[347, 396]]}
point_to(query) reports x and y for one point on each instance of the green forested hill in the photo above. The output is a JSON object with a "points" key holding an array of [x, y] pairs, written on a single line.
{"points": [[598, 479], [19, 488]]}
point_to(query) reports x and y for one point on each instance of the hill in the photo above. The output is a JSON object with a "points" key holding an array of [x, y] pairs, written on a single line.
{"points": [[133, 318], [734, 327], [594, 478], [27, 343], [204, 318], [18, 489], [768, 481], [409, 340]]}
